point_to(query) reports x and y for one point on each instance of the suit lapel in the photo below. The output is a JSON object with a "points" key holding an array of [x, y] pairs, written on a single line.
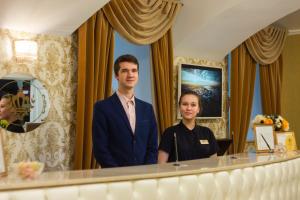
{"points": [[119, 109], [138, 113]]}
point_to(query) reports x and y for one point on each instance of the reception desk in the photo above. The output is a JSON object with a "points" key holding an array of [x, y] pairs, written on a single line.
{"points": [[241, 176]]}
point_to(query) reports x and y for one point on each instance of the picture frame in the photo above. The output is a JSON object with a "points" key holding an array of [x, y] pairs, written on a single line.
{"points": [[207, 82], [287, 139], [264, 138], [3, 168]]}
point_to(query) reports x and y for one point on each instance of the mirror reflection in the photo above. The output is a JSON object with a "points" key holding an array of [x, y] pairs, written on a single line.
{"points": [[24, 103]]}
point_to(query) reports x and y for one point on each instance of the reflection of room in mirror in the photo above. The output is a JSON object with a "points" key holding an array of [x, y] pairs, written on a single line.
{"points": [[38, 94], [29, 99]]}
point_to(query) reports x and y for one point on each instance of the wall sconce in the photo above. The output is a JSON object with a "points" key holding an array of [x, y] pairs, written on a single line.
{"points": [[25, 49]]}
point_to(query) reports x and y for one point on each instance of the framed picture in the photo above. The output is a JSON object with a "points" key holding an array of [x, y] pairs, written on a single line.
{"points": [[287, 139], [264, 138], [207, 82], [3, 171]]}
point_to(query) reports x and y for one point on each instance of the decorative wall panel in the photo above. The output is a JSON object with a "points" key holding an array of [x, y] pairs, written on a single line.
{"points": [[219, 125], [52, 142]]}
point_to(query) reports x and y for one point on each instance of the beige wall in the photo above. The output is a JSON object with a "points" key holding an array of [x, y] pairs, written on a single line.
{"points": [[52, 142], [291, 84]]}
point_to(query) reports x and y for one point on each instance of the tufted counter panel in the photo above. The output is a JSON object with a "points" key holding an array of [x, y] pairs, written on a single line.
{"points": [[263, 176]]}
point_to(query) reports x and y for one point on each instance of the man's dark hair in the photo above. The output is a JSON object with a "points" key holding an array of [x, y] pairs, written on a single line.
{"points": [[191, 92], [125, 58]]}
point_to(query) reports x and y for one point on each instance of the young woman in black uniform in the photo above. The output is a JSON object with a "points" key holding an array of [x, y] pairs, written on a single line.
{"points": [[193, 141]]}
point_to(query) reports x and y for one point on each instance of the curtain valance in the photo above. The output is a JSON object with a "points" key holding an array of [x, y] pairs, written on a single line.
{"points": [[142, 21], [266, 45]]}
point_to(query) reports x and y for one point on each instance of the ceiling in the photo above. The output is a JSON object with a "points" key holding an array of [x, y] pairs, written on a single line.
{"points": [[210, 29], [61, 17], [206, 29], [291, 22]]}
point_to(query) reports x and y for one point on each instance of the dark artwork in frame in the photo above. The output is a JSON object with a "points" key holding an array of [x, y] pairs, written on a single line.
{"points": [[207, 82]]}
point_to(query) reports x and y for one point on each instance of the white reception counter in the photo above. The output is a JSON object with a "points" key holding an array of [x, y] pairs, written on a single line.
{"points": [[242, 176]]}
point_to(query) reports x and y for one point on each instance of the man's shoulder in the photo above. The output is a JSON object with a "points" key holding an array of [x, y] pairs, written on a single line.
{"points": [[104, 102], [144, 103]]}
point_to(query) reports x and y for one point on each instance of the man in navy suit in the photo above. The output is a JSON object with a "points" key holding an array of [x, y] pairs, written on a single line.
{"points": [[124, 127]]}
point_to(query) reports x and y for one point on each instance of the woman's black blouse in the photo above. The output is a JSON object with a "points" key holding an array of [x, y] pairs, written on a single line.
{"points": [[191, 144]]}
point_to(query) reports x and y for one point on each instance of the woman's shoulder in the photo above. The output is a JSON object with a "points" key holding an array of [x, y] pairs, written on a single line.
{"points": [[171, 129], [204, 129]]}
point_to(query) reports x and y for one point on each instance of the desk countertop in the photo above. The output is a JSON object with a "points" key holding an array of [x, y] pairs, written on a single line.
{"points": [[223, 163]]}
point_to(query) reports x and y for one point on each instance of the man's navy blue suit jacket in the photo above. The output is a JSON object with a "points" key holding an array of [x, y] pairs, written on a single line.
{"points": [[114, 143]]}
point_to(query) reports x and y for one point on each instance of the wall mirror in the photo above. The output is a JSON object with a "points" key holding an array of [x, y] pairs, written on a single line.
{"points": [[24, 103]]}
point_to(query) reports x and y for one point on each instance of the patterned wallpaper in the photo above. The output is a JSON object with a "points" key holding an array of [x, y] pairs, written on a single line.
{"points": [[56, 67], [219, 125], [52, 142]]}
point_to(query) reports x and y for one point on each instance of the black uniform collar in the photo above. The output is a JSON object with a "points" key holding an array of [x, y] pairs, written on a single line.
{"points": [[181, 125]]}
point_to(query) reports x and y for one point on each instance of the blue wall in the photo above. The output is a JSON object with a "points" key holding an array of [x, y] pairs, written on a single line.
{"points": [[256, 106], [142, 53]]}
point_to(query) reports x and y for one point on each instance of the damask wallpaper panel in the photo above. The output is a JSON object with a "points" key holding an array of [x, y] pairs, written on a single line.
{"points": [[218, 125], [55, 67]]}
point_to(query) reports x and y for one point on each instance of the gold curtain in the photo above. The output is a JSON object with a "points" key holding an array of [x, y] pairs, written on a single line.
{"points": [[95, 62], [241, 91], [162, 59], [139, 21], [149, 22], [142, 21], [266, 45], [270, 83]]}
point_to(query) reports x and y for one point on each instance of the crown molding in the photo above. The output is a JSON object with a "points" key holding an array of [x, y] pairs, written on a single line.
{"points": [[294, 32]]}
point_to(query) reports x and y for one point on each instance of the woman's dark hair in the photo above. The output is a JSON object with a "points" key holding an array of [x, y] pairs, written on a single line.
{"points": [[125, 58], [191, 92]]}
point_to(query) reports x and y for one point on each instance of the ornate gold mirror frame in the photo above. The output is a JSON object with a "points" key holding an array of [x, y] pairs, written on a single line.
{"points": [[24, 103]]}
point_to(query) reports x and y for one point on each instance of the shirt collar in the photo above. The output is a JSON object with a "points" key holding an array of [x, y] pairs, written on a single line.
{"points": [[124, 98], [185, 128]]}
